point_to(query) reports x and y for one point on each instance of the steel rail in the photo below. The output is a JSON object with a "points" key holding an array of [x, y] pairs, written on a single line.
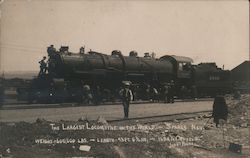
{"points": [[163, 118], [36, 106]]}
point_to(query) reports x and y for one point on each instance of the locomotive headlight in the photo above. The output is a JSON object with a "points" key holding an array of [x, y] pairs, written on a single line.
{"points": [[50, 94]]}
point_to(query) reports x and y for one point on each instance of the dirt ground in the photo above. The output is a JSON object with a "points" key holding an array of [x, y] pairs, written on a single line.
{"points": [[193, 138]]}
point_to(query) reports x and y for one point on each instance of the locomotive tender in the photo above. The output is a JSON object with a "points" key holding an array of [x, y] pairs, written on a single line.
{"points": [[68, 72]]}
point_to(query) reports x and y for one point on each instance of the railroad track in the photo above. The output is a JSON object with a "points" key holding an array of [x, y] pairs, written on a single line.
{"points": [[37, 106], [163, 118]]}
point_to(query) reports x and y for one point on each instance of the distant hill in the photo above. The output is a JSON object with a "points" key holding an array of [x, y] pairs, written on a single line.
{"points": [[20, 74]]}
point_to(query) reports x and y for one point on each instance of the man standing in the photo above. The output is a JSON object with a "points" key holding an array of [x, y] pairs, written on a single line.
{"points": [[170, 97], [165, 93], [43, 66], [51, 50], [155, 94], [87, 97], [127, 96]]}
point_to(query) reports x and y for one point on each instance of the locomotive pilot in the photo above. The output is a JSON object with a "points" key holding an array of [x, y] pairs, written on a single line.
{"points": [[127, 96]]}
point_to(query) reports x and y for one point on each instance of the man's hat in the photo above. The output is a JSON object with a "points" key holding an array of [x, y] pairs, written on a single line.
{"points": [[126, 84], [44, 57]]}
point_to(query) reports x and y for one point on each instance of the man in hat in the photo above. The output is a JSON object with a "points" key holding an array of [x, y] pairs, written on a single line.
{"points": [[87, 97], [51, 50], [43, 66], [127, 96]]}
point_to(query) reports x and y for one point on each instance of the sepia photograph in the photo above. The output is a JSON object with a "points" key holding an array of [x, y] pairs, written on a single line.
{"points": [[124, 79]]}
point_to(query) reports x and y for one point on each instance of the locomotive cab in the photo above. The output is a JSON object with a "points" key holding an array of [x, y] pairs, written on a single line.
{"points": [[183, 74], [182, 65]]}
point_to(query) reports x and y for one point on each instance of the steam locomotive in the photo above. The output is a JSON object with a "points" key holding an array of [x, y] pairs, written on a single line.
{"points": [[69, 75]]}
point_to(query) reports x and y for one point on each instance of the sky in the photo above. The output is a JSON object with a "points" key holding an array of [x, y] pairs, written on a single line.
{"points": [[206, 31]]}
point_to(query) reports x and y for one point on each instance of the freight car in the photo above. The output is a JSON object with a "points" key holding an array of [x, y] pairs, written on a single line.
{"points": [[71, 75]]}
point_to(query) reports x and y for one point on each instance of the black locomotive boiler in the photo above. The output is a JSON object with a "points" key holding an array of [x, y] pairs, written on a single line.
{"points": [[68, 73]]}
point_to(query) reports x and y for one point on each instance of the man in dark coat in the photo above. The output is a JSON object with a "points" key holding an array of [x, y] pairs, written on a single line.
{"points": [[43, 66], [165, 93], [171, 90], [51, 50], [220, 109], [127, 96]]}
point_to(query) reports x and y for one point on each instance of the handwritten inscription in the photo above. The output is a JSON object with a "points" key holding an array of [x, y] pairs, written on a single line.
{"points": [[167, 126], [173, 140]]}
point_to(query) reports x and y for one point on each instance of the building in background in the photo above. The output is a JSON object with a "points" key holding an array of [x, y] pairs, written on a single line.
{"points": [[241, 77]]}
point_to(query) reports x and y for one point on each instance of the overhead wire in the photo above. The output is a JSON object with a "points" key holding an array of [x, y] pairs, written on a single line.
{"points": [[18, 45], [27, 50]]}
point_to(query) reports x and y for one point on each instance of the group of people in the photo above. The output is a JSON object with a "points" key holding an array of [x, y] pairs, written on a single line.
{"points": [[153, 93], [43, 64], [220, 109]]}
